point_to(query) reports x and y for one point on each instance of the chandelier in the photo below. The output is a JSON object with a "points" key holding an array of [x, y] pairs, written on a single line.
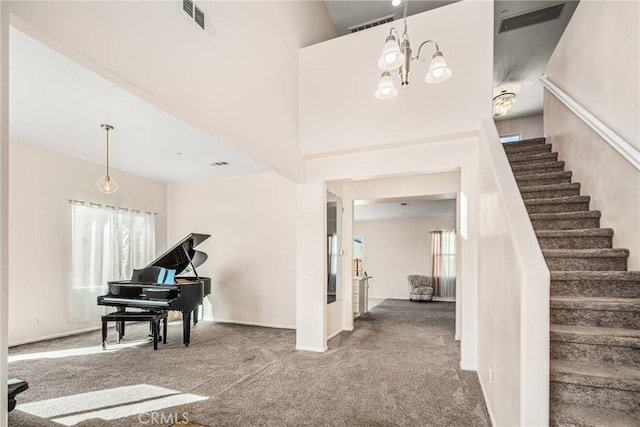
{"points": [[396, 56], [106, 184], [503, 102]]}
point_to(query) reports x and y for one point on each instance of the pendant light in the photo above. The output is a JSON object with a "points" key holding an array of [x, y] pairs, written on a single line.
{"points": [[106, 184]]}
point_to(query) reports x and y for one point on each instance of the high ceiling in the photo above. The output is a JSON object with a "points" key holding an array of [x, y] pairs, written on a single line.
{"points": [[520, 55], [59, 105], [349, 13]]}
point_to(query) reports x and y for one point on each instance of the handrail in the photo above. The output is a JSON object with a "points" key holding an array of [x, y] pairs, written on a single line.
{"points": [[627, 150]]}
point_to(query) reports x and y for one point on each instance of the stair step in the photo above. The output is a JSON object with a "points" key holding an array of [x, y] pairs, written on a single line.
{"points": [[531, 158], [589, 238], [565, 220], [563, 414], [586, 259], [610, 346], [603, 312], [544, 179], [615, 284], [558, 204], [524, 143], [529, 169], [527, 149], [550, 191], [595, 375], [614, 387]]}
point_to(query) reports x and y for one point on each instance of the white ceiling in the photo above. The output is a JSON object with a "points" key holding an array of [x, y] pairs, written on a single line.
{"points": [[58, 105], [393, 209], [520, 55], [347, 13]]}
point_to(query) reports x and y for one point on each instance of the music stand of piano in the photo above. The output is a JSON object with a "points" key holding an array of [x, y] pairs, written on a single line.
{"points": [[186, 295]]}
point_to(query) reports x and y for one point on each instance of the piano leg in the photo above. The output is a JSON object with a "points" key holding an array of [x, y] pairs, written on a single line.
{"points": [[195, 315], [186, 327], [120, 325], [104, 334]]}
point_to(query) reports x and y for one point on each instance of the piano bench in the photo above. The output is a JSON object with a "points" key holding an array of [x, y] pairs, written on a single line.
{"points": [[153, 317]]}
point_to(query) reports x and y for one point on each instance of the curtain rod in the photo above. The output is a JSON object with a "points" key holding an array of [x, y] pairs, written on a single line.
{"points": [[112, 207]]}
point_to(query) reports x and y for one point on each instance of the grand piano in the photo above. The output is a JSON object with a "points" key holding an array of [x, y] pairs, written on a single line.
{"points": [[186, 295]]}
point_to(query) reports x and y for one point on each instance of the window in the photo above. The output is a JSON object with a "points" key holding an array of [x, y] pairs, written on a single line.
{"points": [[106, 245], [511, 138]]}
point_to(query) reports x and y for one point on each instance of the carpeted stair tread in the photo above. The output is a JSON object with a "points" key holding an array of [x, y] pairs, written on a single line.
{"points": [[618, 276], [595, 303], [565, 220], [586, 253], [548, 191], [524, 143], [558, 200], [549, 187], [581, 232], [528, 169], [532, 158], [565, 414], [536, 148], [595, 335], [595, 375], [542, 178]]}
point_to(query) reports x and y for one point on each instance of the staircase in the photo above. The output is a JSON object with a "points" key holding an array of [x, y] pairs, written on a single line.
{"points": [[595, 301]]}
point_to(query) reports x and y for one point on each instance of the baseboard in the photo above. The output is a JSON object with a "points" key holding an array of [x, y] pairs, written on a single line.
{"points": [[335, 334], [486, 401], [444, 299], [314, 349], [54, 336], [263, 325]]}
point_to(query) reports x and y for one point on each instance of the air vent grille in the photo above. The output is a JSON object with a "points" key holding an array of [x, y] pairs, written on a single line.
{"points": [[187, 6], [199, 17], [530, 18], [374, 23]]}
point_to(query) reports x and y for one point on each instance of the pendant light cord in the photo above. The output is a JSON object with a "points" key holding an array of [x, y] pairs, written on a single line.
{"points": [[107, 152]]}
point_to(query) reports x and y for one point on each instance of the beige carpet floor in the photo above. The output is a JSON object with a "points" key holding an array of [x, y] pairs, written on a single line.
{"points": [[400, 366]]}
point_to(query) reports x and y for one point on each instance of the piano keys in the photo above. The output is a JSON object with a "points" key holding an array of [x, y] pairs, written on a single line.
{"points": [[186, 295]]}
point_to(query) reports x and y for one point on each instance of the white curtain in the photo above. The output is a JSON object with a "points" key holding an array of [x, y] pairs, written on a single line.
{"points": [[443, 263], [106, 245]]}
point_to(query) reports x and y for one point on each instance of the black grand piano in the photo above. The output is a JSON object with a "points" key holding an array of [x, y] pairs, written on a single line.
{"points": [[186, 295]]}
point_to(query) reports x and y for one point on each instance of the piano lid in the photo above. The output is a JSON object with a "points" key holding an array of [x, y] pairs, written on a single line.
{"points": [[180, 255]]}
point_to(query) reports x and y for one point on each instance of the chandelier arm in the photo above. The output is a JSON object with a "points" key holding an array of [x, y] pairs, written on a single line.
{"points": [[417, 58], [392, 30]]}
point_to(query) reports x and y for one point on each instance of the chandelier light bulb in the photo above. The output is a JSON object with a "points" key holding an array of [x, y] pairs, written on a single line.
{"points": [[107, 185], [386, 88], [391, 57], [396, 2], [438, 69]]}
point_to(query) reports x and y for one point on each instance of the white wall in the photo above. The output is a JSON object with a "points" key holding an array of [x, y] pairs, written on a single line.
{"points": [[513, 316], [395, 249], [41, 181], [338, 79], [597, 63], [399, 172], [239, 86], [527, 127], [4, 198], [252, 223]]}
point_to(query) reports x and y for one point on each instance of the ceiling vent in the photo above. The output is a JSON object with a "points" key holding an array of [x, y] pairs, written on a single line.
{"points": [[374, 23], [219, 164], [198, 16], [530, 18]]}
